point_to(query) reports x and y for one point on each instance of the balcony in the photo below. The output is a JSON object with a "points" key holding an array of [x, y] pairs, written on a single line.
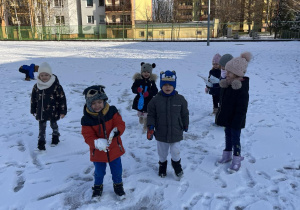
{"points": [[185, 7], [118, 23], [117, 8]]}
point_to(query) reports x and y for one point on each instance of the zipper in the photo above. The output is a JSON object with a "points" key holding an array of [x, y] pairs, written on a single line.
{"points": [[42, 105]]}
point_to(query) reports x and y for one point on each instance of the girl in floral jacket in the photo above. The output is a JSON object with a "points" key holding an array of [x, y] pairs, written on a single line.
{"points": [[48, 103]]}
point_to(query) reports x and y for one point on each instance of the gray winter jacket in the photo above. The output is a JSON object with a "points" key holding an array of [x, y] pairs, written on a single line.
{"points": [[169, 115]]}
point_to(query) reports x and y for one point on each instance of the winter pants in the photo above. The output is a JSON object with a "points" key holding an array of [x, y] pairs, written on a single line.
{"points": [[115, 169], [163, 150], [42, 129], [216, 99], [232, 140], [24, 72]]}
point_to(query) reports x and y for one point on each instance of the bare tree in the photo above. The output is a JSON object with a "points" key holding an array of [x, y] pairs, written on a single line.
{"points": [[163, 11]]}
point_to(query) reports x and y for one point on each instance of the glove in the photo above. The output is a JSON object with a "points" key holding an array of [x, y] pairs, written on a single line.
{"points": [[139, 89], [101, 144], [146, 94], [206, 90], [114, 133], [223, 73], [150, 132], [186, 128]]}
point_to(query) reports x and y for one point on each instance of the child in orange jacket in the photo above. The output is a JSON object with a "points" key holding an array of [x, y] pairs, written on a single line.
{"points": [[102, 127]]}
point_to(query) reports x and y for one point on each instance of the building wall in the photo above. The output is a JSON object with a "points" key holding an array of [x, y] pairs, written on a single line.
{"points": [[141, 10], [96, 10]]}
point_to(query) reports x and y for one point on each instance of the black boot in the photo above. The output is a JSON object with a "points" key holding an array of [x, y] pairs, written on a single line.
{"points": [[97, 191], [41, 145], [162, 171], [177, 168], [55, 139], [119, 190]]}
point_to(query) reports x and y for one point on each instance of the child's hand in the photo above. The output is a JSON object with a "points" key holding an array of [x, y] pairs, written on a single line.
{"points": [[101, 144], [62, 116], [150, 132], [206, 90], [139, 89], [146, 94]]}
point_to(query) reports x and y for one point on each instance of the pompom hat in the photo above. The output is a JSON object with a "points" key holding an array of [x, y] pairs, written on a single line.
{"points": [[238, 66], [224, 59], [216, 58], [45, 67], [147, 67]]}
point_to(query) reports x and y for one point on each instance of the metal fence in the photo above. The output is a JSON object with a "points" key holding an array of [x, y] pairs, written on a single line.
{"points": [[146, 32]]}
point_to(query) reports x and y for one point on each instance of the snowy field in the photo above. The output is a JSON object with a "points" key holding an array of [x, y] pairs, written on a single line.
{"points": [[62, 177]]}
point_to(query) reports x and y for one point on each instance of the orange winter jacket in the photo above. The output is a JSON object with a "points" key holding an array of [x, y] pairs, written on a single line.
{"points": [[92, 129]]}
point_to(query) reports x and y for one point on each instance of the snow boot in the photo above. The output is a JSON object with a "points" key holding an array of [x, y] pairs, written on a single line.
{"points": [[236, 163], [141, 120], [119, 190], [41, 145], [97, 191], [145, 123], [226, 157], [55, 139], [162, 171], [27, 79], [177, 168]]}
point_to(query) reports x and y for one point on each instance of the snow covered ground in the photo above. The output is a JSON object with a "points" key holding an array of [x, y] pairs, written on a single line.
{"points": [[62, 177]]}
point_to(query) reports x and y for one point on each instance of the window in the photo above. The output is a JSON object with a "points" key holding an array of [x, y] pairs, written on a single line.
{"points": [[150, 33], [125, 18], [114, 19], [101, 3], [101, 19], [198, 32], [142, 33], [89, 3], [58, 3], [90, 19], [39, 20], [161, 33], [59, 19]]}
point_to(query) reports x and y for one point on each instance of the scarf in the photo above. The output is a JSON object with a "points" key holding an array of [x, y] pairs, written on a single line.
{"points": [[44, 85]]}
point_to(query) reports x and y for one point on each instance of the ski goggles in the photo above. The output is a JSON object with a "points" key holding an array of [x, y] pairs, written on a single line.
{"points": [[93, 92]]}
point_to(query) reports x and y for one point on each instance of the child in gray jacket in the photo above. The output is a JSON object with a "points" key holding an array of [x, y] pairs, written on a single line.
{"points": [[168, 117]]}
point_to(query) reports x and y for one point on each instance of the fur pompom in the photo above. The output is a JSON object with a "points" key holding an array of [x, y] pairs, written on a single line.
{"points": [[236, 84], [247, 56], [223, 83]]}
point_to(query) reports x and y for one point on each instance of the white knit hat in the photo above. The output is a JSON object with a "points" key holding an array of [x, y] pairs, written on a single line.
{"points": [[45, 67], [238, 66]]}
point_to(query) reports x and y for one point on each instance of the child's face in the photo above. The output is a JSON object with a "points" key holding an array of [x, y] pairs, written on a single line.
{"points": [[146, 74], [223, 67], [167, 88], [215, 65], [97, 105], [44, 77], [230, 76]]}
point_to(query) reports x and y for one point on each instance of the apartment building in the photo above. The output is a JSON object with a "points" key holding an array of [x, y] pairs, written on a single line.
{"points": [[121, 15], [92, 17], [192, 10]]}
